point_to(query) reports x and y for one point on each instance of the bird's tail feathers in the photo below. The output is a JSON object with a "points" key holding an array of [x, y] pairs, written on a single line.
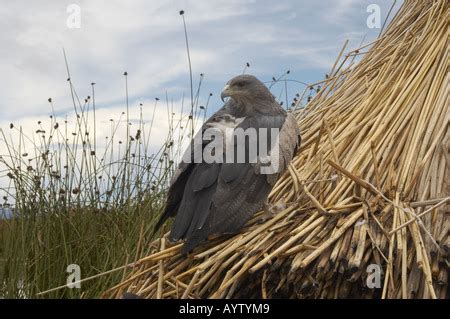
{"points": [[162, 219]]}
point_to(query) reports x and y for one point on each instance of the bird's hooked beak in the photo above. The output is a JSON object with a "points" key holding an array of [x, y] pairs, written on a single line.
{"points": [[225, 92]]}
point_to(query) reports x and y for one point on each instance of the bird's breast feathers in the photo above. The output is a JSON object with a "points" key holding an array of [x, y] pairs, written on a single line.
{"points": [[226, 126]]}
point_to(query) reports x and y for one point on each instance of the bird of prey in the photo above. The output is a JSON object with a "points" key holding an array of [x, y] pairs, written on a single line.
{"points": [[220, 197]]}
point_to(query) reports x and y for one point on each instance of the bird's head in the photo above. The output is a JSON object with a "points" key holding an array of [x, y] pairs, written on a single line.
{"points": [[245, 88]]}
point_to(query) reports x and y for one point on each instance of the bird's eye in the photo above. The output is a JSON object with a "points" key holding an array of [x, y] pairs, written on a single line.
{"points": [[240, 84]]}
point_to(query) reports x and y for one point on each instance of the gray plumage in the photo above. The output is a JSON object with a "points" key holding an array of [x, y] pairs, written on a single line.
{"points": [[219, 198]]}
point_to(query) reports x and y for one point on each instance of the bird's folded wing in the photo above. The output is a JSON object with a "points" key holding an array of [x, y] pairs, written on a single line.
{"points": [[220, 198], [183, 173]]}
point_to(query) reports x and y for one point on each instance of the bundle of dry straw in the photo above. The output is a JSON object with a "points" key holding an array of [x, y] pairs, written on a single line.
{"points": [[367, 191]]}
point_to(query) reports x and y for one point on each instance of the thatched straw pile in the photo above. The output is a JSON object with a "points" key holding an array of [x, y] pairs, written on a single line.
{"points": [[369, 186]]}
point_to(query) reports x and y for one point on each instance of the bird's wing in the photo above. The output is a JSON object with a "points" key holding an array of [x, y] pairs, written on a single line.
{"points": [[290, 141], [221, 198], [183, 172]]}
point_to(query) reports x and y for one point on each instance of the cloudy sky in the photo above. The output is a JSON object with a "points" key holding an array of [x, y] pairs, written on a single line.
{"points": [[146, 39]]}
